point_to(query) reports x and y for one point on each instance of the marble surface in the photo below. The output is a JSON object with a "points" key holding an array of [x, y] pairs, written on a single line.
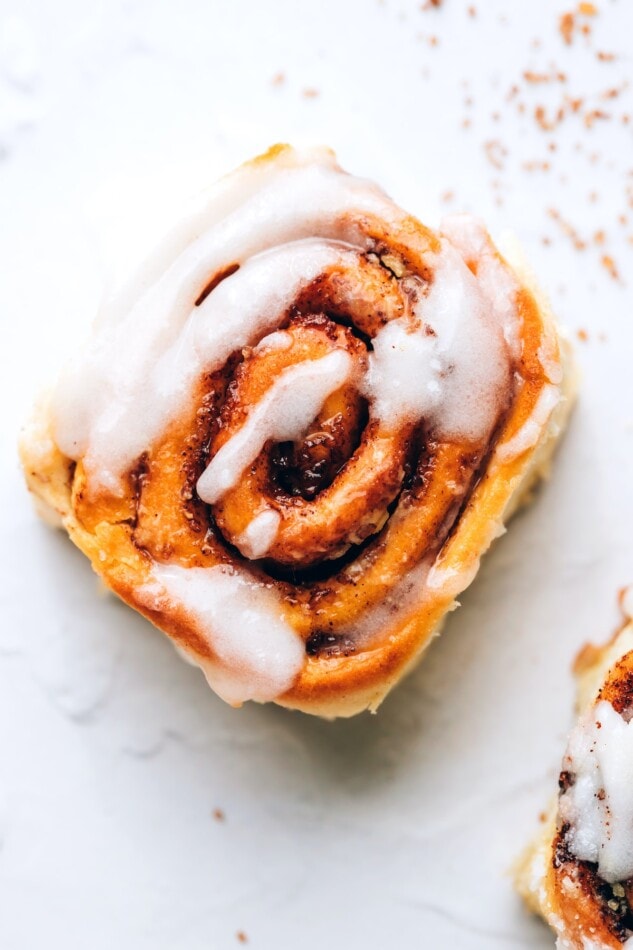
{"points": [[136, 810]]}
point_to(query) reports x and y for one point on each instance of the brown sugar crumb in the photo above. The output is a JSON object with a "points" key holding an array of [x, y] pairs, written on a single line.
{"points": [[278, 79], [218, 814], [609, 265], [582, 335], [241, 937], [605, 57], [495, 152]]}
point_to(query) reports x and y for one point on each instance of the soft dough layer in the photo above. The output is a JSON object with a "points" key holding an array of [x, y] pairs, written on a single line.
{"points": [[578, 873], [290, 439]]}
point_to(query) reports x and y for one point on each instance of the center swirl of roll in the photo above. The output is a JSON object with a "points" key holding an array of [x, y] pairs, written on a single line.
{"points": [[301, 467]]}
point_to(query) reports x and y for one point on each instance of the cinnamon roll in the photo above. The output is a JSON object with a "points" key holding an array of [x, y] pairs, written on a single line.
{"points": [[292, 436], [578, 874]]}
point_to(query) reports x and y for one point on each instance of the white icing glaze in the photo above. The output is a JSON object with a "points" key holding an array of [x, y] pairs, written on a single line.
{"points": [[258, 654], [599, 803], [497, 282], [283, 415], [257, 538], [531, 430]]}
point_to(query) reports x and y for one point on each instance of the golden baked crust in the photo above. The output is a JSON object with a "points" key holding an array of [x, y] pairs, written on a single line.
{"points": [[390, 523]]}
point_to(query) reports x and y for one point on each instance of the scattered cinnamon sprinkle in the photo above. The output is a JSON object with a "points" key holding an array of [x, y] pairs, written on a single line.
{"points": [[542, 817], [548, 125], [566, 26], [430, 4], [593, 115], [599, 237], [448, 196], [605, 57], [472, 11], [218, 814], [609, 264], [495, 152], [582, 335], [278, 79], [241, 937], [567, 229], [588, 9], [553, 76], [310, 93]]}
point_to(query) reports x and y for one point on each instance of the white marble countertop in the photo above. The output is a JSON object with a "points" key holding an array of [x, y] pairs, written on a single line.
{"points": [[136, 810]]}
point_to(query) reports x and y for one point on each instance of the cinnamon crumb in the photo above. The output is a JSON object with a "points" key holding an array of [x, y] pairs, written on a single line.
{"points": [[582, 335], [605, 57], [278, 79], [241, 937], [588, 9], [599, 237], [310, 93], [472, 11], [609, 265], [218, 814], [448, 196]]}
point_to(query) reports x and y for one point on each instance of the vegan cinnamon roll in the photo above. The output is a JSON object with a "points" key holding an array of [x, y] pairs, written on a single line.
{"points": [[578, 873], [290, 439]]}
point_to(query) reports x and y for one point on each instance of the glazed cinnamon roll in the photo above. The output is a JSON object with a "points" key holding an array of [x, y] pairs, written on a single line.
{"points": [[291, 438], [578, 874]]}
